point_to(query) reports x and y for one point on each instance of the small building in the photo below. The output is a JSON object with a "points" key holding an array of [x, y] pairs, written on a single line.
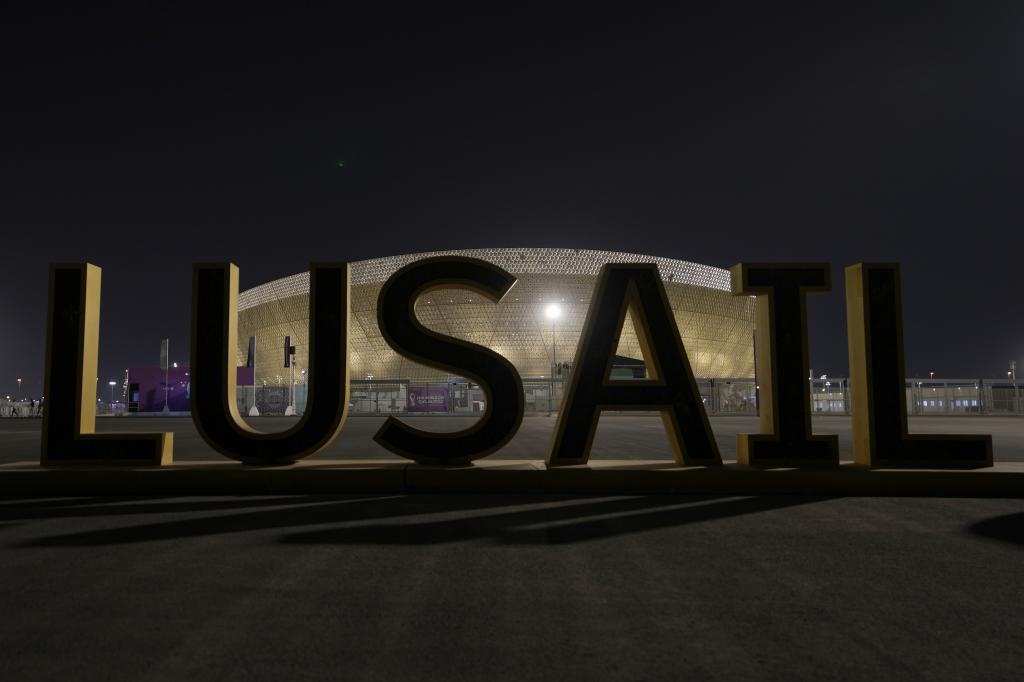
{"points": [[148, 386]]}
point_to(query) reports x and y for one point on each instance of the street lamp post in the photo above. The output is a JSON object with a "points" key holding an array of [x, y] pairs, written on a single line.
{"points": [[1013, 378], [553, 312], [18, 397], [112, 384]]}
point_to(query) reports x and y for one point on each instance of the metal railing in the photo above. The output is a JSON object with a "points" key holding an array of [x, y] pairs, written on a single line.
{"points": [[721, 396]]}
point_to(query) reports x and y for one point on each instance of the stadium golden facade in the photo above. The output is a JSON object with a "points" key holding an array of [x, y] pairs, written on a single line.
{"points": [[717, 328]]}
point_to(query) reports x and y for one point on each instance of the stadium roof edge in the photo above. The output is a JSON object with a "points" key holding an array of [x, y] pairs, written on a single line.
{"points": [[517, 260]]}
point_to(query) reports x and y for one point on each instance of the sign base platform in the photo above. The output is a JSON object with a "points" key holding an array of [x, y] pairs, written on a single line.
{"points": [[598, 477]]}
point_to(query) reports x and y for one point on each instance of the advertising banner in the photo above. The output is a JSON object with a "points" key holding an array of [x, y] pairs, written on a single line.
{"points": [[151, 383], [245, 376], [155, 382], [429, 398]]}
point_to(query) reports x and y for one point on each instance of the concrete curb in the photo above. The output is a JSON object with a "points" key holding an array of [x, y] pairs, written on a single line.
{"points": [[599, 477]]}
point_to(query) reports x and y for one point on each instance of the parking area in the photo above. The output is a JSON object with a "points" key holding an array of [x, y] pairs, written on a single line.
{"points": [[619, 436]]}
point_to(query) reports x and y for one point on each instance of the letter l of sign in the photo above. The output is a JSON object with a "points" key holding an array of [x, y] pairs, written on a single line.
{"points": [[72, 346]]}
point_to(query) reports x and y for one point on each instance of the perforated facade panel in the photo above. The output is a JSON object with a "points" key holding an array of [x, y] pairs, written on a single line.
{"points": [[717, 328]]}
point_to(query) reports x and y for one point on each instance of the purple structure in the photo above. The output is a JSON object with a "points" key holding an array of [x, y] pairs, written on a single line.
{"points": [[147, 386]]}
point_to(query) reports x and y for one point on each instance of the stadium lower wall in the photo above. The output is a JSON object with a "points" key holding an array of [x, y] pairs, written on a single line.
{"points": [[717, 329]]}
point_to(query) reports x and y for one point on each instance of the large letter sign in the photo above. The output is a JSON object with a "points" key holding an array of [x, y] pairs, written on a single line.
{"points": [[781, 330], [72, 345], [671, 389], [396, 315], [214, 340], [878, 382], [877, 379]]}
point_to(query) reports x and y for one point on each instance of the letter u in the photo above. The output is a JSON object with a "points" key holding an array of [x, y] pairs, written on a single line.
{"points": [[214, 344]]}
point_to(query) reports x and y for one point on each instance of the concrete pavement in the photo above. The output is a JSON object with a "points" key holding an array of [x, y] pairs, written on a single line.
{"points": [[511, 587], [498, 587], [619, 436]]}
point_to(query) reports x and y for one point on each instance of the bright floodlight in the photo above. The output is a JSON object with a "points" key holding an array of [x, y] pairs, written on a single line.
{"points": [[553, 311]]}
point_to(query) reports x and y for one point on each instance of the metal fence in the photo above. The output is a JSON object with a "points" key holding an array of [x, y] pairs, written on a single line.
{"points": [[540, 396], [721, 396], [932, 396]]}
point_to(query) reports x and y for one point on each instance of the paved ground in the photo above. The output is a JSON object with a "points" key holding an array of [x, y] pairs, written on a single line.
{"points": [[511, 587], [628, 436]]}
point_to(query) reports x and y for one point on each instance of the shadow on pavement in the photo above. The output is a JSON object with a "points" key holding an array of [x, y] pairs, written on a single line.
{"points": [[125, 506], [1009, 528], [554, 525], [405, 519]]}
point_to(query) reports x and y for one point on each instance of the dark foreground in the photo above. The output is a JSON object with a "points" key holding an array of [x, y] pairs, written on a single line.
{"points": [[512, 588]]}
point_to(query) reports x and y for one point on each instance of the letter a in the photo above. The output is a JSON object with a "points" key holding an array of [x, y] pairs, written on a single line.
{"points": [[671, 389]]}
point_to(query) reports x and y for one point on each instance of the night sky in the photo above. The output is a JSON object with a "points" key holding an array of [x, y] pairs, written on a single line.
{"points": [[145, 142]]}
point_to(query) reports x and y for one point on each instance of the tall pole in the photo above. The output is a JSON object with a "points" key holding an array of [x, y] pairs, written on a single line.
{"points": [[554, 347], [554, 363], [167, 375], [253, 408], [1013, 378], [290, 410]]}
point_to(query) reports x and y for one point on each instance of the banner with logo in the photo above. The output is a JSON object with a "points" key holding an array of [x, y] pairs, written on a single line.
{"points": [[427, 398]]}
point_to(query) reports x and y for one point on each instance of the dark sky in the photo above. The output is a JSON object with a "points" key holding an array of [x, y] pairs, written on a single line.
{"points": [[143, 143]]}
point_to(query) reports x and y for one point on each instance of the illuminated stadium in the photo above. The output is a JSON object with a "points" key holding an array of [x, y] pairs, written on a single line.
{"points": [[537, 337]]}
